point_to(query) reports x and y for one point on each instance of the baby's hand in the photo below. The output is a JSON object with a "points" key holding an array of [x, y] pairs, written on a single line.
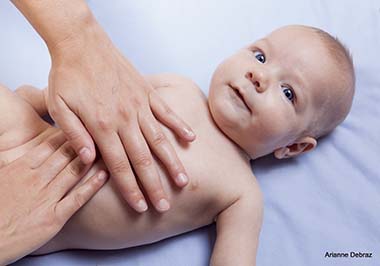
{"points": [[35, 97]]}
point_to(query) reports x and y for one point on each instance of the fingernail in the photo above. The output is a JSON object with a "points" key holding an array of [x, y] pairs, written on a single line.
{"points": [[85, 155], [141, 206], [182, 179], [163, 205], [189, 133], [102, 176]]}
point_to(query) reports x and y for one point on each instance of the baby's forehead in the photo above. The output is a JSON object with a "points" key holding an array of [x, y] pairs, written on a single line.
{"points": [[293, 31], [304, 58]]}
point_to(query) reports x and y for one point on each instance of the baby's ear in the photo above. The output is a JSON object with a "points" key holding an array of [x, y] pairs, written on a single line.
{"points": [[35, 97], [305, 144]]}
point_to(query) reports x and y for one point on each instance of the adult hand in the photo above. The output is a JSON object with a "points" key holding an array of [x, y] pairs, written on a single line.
{"points": [[37, 196], [94, 93]]}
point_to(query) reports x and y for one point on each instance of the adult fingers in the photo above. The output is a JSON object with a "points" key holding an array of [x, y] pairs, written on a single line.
{"points": [[166, 116], [163, 149], [74, 130], [117, 162], [71, 174], [39, 154], [57, 162], [74, 200], [142, 161]]}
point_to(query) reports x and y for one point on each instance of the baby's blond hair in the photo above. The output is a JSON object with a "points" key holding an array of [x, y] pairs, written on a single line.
{"points": [[337, 105]]}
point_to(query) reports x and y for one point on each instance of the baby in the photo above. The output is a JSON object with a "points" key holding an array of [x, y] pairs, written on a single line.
{"points": [[279, 94]]}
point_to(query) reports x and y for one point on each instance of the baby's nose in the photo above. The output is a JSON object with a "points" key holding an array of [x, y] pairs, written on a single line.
{"points": [[254, 81]]}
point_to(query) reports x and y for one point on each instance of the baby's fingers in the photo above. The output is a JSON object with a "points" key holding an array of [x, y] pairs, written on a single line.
{"points": [[79, 196]]}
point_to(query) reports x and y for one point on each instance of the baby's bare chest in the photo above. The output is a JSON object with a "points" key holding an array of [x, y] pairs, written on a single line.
{"points": [[217, 172], [216, 167]]}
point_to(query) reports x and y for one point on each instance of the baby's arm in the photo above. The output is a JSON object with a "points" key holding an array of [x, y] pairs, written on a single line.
{"points": [[35, 97], [18, 121], [238, 229]]}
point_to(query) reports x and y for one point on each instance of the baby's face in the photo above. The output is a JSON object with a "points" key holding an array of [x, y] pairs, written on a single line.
{"points": [[264, 96]]}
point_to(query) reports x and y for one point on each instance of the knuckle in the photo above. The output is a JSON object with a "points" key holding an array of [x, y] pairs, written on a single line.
{"points": [[75, 168], [124, 113], [50, 221], [156, 193], [159, 138], [73, 134], [120, 167], [67, 151], [103, 123], [167, 110], [133, 194], [135, 102], [53, 144], [58, 222], [79, 200], [144, 160], [94, 184]]}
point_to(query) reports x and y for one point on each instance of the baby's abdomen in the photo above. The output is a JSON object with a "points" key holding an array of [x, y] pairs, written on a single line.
{"points": [[107, 222]]}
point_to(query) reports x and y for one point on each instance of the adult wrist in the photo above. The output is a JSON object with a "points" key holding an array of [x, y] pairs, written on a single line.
{"points": [[92, 39], [57, 21], [73, 31]]}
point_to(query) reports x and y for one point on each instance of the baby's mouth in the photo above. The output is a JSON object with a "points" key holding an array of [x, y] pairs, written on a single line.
{"points": [[239, 95]]}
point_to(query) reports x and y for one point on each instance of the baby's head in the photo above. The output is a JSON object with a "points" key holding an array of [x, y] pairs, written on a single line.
{"points": [[283, 92]]}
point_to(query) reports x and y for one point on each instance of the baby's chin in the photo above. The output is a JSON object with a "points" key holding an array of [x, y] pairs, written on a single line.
{"points": [[222, 109], [222, 117], [214, 106]]}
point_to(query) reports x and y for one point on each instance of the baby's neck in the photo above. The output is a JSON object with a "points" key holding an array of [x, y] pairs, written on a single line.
{"points": [[243, 153]]}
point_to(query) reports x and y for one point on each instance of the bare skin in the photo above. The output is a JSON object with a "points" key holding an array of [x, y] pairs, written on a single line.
{"points": [[36, 195], [96, 96], [223, 187], [208, 196]]}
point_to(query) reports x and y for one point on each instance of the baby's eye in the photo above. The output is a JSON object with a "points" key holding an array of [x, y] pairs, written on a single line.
{"points": [[289, 93], [259, 56]]}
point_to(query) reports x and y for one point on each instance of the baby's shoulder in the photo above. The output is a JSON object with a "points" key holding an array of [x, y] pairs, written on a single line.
{"points": [[184, 97], [182, 85]]}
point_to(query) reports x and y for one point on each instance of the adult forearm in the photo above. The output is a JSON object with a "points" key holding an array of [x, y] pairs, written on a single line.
{"points": [[57, 20]]}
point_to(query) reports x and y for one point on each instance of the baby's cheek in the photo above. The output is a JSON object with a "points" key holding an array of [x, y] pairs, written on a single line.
{"points": [[276, 128]]}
